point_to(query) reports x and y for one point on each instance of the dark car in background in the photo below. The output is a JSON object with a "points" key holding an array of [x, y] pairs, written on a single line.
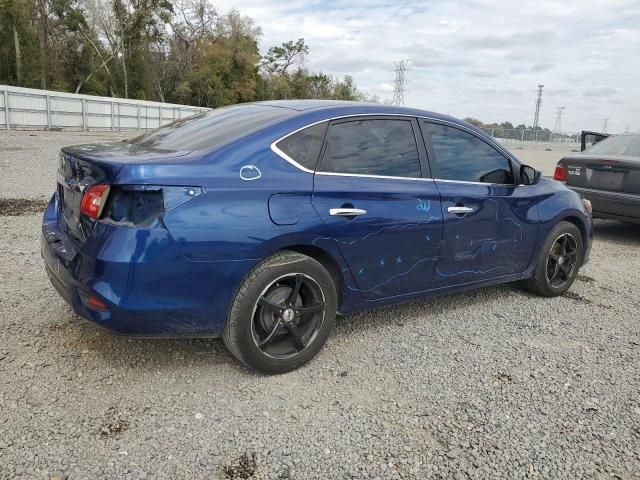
{"points": [[607, 174]]}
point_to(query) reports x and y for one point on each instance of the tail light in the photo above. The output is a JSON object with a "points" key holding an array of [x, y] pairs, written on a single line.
{"points": [[144, 205], [561, 173], [93, 302], [94, 199]]}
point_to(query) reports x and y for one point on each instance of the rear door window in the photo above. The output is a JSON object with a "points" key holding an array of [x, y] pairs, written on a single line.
{"points": [[377, 147]]}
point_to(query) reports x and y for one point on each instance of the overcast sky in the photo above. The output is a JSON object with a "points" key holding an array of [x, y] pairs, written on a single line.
{"points": [[479, 58]]}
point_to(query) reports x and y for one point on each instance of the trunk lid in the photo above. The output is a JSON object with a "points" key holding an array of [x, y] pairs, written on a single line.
{"points": [[81, 166], [617, 173]]}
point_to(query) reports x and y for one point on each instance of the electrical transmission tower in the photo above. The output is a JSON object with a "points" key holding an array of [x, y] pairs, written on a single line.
{"points": [[604, 127], [399, 84], [557, 126], [536, 118]]}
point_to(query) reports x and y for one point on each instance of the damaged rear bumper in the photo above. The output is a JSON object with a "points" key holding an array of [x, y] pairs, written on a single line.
{"points": [[144, 282]]}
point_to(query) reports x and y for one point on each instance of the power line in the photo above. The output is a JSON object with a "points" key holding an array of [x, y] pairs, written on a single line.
{"points": [[400, 82], [536, 118]]}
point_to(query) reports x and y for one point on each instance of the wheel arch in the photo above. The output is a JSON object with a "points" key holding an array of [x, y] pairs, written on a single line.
{"points": [[579, 223], [327, 261]]}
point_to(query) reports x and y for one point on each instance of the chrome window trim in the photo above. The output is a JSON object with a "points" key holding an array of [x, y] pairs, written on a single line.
{"points": [[362, 175], [287, 158], [284, 156], [477, 183]]}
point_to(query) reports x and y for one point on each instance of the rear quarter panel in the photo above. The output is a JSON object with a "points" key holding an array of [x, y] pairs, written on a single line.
{"points": [[231, 226]]}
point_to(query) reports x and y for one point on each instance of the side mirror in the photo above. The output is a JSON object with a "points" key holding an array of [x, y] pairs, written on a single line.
{"points": [[529, 175]]}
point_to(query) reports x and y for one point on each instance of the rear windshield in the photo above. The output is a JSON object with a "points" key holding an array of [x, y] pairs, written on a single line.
{"points": [[208, 129], [618, 145]]}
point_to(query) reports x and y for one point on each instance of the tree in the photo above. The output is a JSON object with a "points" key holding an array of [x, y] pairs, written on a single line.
{"points": [[279, 59], [183, 51], [14, 16]]}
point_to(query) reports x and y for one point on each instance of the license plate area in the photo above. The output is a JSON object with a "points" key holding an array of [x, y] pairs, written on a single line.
{"points": [[606, 179]]}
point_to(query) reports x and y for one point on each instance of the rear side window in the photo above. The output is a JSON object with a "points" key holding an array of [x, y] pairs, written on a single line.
{"points": [[206, 130], [372, 147], [304, 147], [464, 157]]}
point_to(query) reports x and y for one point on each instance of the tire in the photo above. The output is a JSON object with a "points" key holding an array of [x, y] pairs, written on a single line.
{"points": [[271, 331], [543, 282]]}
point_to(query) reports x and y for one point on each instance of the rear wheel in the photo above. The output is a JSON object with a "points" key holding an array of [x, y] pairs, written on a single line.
{"points": [[282, 313], [559, 262]]}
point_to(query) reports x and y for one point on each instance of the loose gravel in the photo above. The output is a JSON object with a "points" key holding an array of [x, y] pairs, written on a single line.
{"points": [[494, 383]]}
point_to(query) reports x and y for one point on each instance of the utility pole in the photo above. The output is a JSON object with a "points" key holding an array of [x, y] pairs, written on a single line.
{"points": [[536, 118], [604, 126], [400, 82], [557, 126]]}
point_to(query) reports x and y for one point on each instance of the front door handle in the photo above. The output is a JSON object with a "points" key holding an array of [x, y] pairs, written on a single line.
{"points": [[459, 210], [346, 212]]}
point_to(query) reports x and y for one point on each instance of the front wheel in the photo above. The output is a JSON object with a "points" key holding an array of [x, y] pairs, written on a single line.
{"points": [[559, 261], [282, 313]]}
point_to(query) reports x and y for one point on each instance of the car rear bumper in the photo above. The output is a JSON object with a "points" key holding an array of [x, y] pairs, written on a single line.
{"points": [[613, 205], [148, 287]]}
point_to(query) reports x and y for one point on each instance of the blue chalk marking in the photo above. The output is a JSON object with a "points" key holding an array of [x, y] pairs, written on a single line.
{"points": [[382, 262], [493, 247], [393, 277], [399, 260], [476, 272], [423, 206], [428, 238], [361, 271], [507, 219], [394, 227]]}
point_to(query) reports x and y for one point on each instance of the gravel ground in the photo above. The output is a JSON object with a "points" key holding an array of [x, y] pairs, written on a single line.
{"points": [[542, 156], [28, 160], [494, 383]]}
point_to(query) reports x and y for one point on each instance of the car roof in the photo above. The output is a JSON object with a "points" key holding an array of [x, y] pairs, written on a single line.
{"points": [[343, 107]]}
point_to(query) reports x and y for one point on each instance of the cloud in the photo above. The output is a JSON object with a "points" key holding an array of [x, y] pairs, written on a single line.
{"points": [[477, 58], [600, 92]]}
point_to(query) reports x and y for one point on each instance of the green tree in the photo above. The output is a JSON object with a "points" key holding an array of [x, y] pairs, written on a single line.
{"points": [[278, 59], [181, 51]]}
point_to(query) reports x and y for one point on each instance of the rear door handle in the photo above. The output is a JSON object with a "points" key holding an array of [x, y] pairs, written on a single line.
{"points": [[458, 210], [346, 212]]}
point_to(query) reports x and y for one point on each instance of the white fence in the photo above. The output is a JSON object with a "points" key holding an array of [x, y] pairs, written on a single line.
{"points": [[26, 108], [521, 136]]}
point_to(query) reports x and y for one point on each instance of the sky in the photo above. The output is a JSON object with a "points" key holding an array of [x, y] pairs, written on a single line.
{"points": [[475, 58]]}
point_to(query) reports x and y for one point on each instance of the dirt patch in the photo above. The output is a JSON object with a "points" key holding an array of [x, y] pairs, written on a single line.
{"points": [[585, 279], [504, 377], [113, 428], [576, 297], [14, 207], [242, 467]]}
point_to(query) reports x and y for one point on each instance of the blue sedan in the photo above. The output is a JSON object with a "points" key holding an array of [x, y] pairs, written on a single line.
{"points": [[260, 222]]}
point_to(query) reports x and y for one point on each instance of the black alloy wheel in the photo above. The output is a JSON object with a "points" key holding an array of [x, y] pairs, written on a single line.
{"points": [[559, 261], [562, 260], [288, 315]]}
